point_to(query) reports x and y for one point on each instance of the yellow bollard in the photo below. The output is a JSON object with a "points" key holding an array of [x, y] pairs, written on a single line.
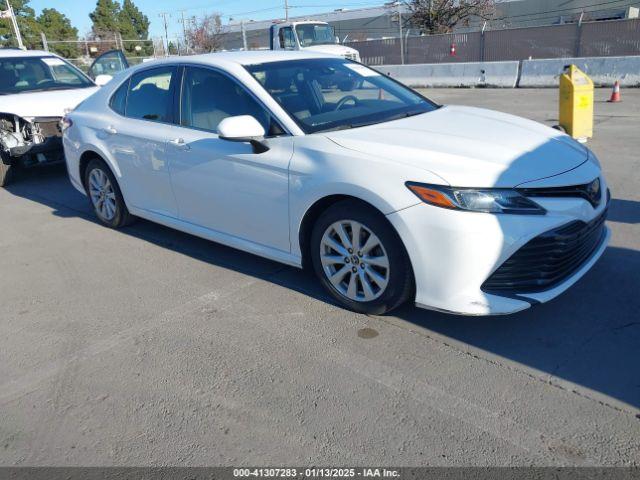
{"points": [[576, 103]]}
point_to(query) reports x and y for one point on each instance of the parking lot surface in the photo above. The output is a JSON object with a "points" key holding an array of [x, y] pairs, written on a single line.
{"points": [[147, 346]]}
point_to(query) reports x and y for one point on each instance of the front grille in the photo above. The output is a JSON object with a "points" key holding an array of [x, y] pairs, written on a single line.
{"points": [[547, 260], [591, 192]]}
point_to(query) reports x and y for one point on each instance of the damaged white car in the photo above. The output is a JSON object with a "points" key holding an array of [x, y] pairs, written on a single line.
{"points": [[36, 89]]}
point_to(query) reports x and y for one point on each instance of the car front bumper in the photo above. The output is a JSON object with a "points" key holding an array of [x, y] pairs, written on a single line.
{"points": [[453, 253]]}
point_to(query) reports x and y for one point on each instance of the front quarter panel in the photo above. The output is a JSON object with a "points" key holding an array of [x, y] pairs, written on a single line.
{"points": [[320, 168]]}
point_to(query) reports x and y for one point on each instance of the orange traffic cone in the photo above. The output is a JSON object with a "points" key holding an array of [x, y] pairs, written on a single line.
{"points": [[615, 95]]}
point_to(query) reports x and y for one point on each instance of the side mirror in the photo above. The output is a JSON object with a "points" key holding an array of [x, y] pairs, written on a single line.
{"points": [[102, 80], [243, 128]]}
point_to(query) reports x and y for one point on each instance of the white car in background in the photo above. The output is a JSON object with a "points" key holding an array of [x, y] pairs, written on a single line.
{"points": [[36, 90], [390, 197]]}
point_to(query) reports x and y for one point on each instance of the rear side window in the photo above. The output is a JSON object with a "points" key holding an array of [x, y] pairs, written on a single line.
{"points": [[150, 95], [118, 101]]}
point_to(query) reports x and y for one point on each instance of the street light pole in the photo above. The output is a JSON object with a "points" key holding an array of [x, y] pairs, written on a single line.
{"points": [[14, 22]]}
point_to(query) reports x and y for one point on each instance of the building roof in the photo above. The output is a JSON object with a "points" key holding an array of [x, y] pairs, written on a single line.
{"points": [[336, 15]]}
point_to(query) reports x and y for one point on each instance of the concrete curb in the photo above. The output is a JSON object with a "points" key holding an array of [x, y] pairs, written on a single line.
{"points": [[477, 74], [604, 71]]}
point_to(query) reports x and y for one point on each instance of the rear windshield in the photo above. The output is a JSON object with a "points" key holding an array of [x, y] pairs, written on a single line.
{"points": [[323, 94], [36, 74]]}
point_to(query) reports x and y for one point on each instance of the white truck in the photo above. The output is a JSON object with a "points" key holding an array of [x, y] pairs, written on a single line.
{"points": [[309, 35]]}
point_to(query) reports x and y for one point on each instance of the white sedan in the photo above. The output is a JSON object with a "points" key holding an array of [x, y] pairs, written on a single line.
{"points": [[388, 196]]}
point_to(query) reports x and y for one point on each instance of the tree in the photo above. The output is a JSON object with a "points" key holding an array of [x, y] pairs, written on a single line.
{"points": [[173, 50], [206, 34], [106, 19], [57, 26], [441, 16], [134, 25], [26, 18]]}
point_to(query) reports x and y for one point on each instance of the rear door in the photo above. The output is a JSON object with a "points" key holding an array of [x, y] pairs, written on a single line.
{"points": [[137, 138]]}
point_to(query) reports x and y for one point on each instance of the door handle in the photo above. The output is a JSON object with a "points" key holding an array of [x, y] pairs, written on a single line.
{"points": [[110, 130], [180, 143]]}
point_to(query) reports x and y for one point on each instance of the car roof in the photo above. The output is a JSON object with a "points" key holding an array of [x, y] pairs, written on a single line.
{"points": [[16, 52], [251, 57]]}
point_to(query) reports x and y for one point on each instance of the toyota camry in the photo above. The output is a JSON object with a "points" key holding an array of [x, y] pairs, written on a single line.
{"points": [[386, 195]]}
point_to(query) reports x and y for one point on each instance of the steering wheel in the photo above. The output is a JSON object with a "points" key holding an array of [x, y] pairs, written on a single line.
{"points": [[347, 98]]}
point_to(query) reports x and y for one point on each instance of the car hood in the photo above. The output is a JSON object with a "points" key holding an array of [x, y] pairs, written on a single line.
{"points": [[44, 104], [469, 147], [339, 50]]}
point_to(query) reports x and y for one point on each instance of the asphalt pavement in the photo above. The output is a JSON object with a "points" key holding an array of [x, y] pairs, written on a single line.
{"points": [[147, 346]]}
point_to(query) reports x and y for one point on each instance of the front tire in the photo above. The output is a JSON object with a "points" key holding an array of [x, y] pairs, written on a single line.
{"points": [[105, 196], [360, 259]]}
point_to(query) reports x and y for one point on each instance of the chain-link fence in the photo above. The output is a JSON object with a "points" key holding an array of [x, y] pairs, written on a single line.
{"points": [[82, 53], [589, 39]]}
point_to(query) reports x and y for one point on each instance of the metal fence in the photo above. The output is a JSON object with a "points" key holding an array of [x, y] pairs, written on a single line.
{"points": [[589, 39]]}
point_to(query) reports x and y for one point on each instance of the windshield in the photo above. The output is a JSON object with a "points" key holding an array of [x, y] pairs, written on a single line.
{"points": [[333, 93], [34, 74], [310, 34]]}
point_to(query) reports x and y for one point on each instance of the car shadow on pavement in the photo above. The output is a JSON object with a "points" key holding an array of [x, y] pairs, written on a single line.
{"points": [[589, 336], [624, 211]]}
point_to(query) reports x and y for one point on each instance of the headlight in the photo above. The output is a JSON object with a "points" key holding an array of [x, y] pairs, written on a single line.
{"points": [[489, 200]]}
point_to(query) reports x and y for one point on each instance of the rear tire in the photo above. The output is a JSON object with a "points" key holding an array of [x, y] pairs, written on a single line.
{"points": [[105, 196], [360, 259], [6, 173]]}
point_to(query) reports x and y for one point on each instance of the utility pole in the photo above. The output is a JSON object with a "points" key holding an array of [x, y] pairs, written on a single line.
{"points": [[244, 35], [184, 30], [14, 22], [286, 10], [164, 16]]}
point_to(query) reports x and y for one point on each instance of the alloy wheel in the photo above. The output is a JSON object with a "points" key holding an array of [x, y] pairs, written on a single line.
{"points": [[102, 194], [354, 261]]}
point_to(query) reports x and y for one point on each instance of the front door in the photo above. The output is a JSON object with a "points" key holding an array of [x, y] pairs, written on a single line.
{"points": [[109, 63], [224, 185]]}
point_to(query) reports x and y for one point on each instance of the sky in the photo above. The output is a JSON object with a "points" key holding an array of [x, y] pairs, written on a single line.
{"points": [[78, 10]]}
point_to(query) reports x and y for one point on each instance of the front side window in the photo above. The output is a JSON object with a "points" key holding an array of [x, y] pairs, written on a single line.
{"points": [[208, 97], [333, 93], [150, 95], [310, 34], [287, 39], [37, 74]]}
